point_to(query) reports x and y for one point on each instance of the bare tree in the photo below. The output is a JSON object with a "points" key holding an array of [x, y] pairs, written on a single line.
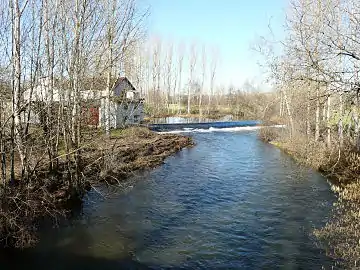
{"points": [[169, 75], [213, 66], [203, 73], [181, 52], [17, 131], [192, 61]]}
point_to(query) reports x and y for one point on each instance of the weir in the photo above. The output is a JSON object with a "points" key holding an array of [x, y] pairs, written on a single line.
{"points": [[205, 125]]}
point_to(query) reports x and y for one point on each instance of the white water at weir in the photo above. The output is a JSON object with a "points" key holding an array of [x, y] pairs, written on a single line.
{"points": [[212, 129]]}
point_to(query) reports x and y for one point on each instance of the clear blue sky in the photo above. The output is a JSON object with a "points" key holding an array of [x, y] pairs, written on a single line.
{"points": [[230, 25]]}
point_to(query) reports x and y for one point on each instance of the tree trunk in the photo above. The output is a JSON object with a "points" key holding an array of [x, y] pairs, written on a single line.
{"points": [[107, 104], [356, 128], [328, 127], [317, 114], [179, 87], [308, 126], [202, 80], [193, 58], [110, 36], [340, 124], [16, 50], [288, 108], [281, 105], [189, 99]]}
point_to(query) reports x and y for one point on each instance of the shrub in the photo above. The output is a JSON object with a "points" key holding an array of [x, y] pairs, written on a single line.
{"points": [[269, 134]]}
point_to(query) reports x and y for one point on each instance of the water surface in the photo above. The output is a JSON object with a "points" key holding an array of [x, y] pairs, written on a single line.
{"points": [[231, 202]]}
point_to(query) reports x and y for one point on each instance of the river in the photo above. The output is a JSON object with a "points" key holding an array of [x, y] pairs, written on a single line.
{"points": [[231, 202]]}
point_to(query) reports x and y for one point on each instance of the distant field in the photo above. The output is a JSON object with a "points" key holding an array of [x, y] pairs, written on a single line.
{"points": [[195, 108], [215, 112]]}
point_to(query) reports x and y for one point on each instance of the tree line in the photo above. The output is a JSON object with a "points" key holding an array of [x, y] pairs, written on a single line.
{"points": [[316, 75], [182, 78]]}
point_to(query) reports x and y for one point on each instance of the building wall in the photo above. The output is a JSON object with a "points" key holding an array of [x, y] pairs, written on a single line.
{"points": [[123, 85], [41, 93], [130, 113], [103, 114], [90, 116], [34, 117], [122, 114]]}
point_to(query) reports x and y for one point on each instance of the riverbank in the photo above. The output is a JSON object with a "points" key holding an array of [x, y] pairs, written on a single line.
{"points": [[103, 160], [131, 150], [340, 236]]}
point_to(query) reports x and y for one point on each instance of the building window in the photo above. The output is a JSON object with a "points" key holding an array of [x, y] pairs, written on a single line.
{"points": [[136, 118]]}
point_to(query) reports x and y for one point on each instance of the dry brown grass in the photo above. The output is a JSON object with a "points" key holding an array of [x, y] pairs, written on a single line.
{"points": [[131, 150], [341, 234], [21, 207], [269, 134]]}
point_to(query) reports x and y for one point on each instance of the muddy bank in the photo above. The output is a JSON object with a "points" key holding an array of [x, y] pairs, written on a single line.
{"points": [[128, 151]]}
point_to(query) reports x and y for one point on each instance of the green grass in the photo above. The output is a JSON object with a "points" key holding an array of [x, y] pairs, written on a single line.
{"points": [[117, 132]]}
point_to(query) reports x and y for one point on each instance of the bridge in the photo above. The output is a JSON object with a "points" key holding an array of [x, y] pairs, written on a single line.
{"points": [[205, 125]]}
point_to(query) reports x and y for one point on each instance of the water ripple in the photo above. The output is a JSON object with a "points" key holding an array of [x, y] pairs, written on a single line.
{"points": [[231, 202]]}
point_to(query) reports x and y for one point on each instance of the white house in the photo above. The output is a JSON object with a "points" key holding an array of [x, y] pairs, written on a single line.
{"points": [[126, 105]]}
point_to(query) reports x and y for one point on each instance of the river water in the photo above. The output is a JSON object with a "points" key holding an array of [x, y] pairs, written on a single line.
{"points": [[230, 202]]}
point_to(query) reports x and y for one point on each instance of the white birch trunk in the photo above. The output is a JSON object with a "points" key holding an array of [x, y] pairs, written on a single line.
{"points": [[340, 124], [289, 113], [328, 126], [317, 114], [16, 62]]}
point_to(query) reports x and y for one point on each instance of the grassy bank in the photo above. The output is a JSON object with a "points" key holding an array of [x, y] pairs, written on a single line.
{"points": [[130, 150], [341, 165], [50, 194]]}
